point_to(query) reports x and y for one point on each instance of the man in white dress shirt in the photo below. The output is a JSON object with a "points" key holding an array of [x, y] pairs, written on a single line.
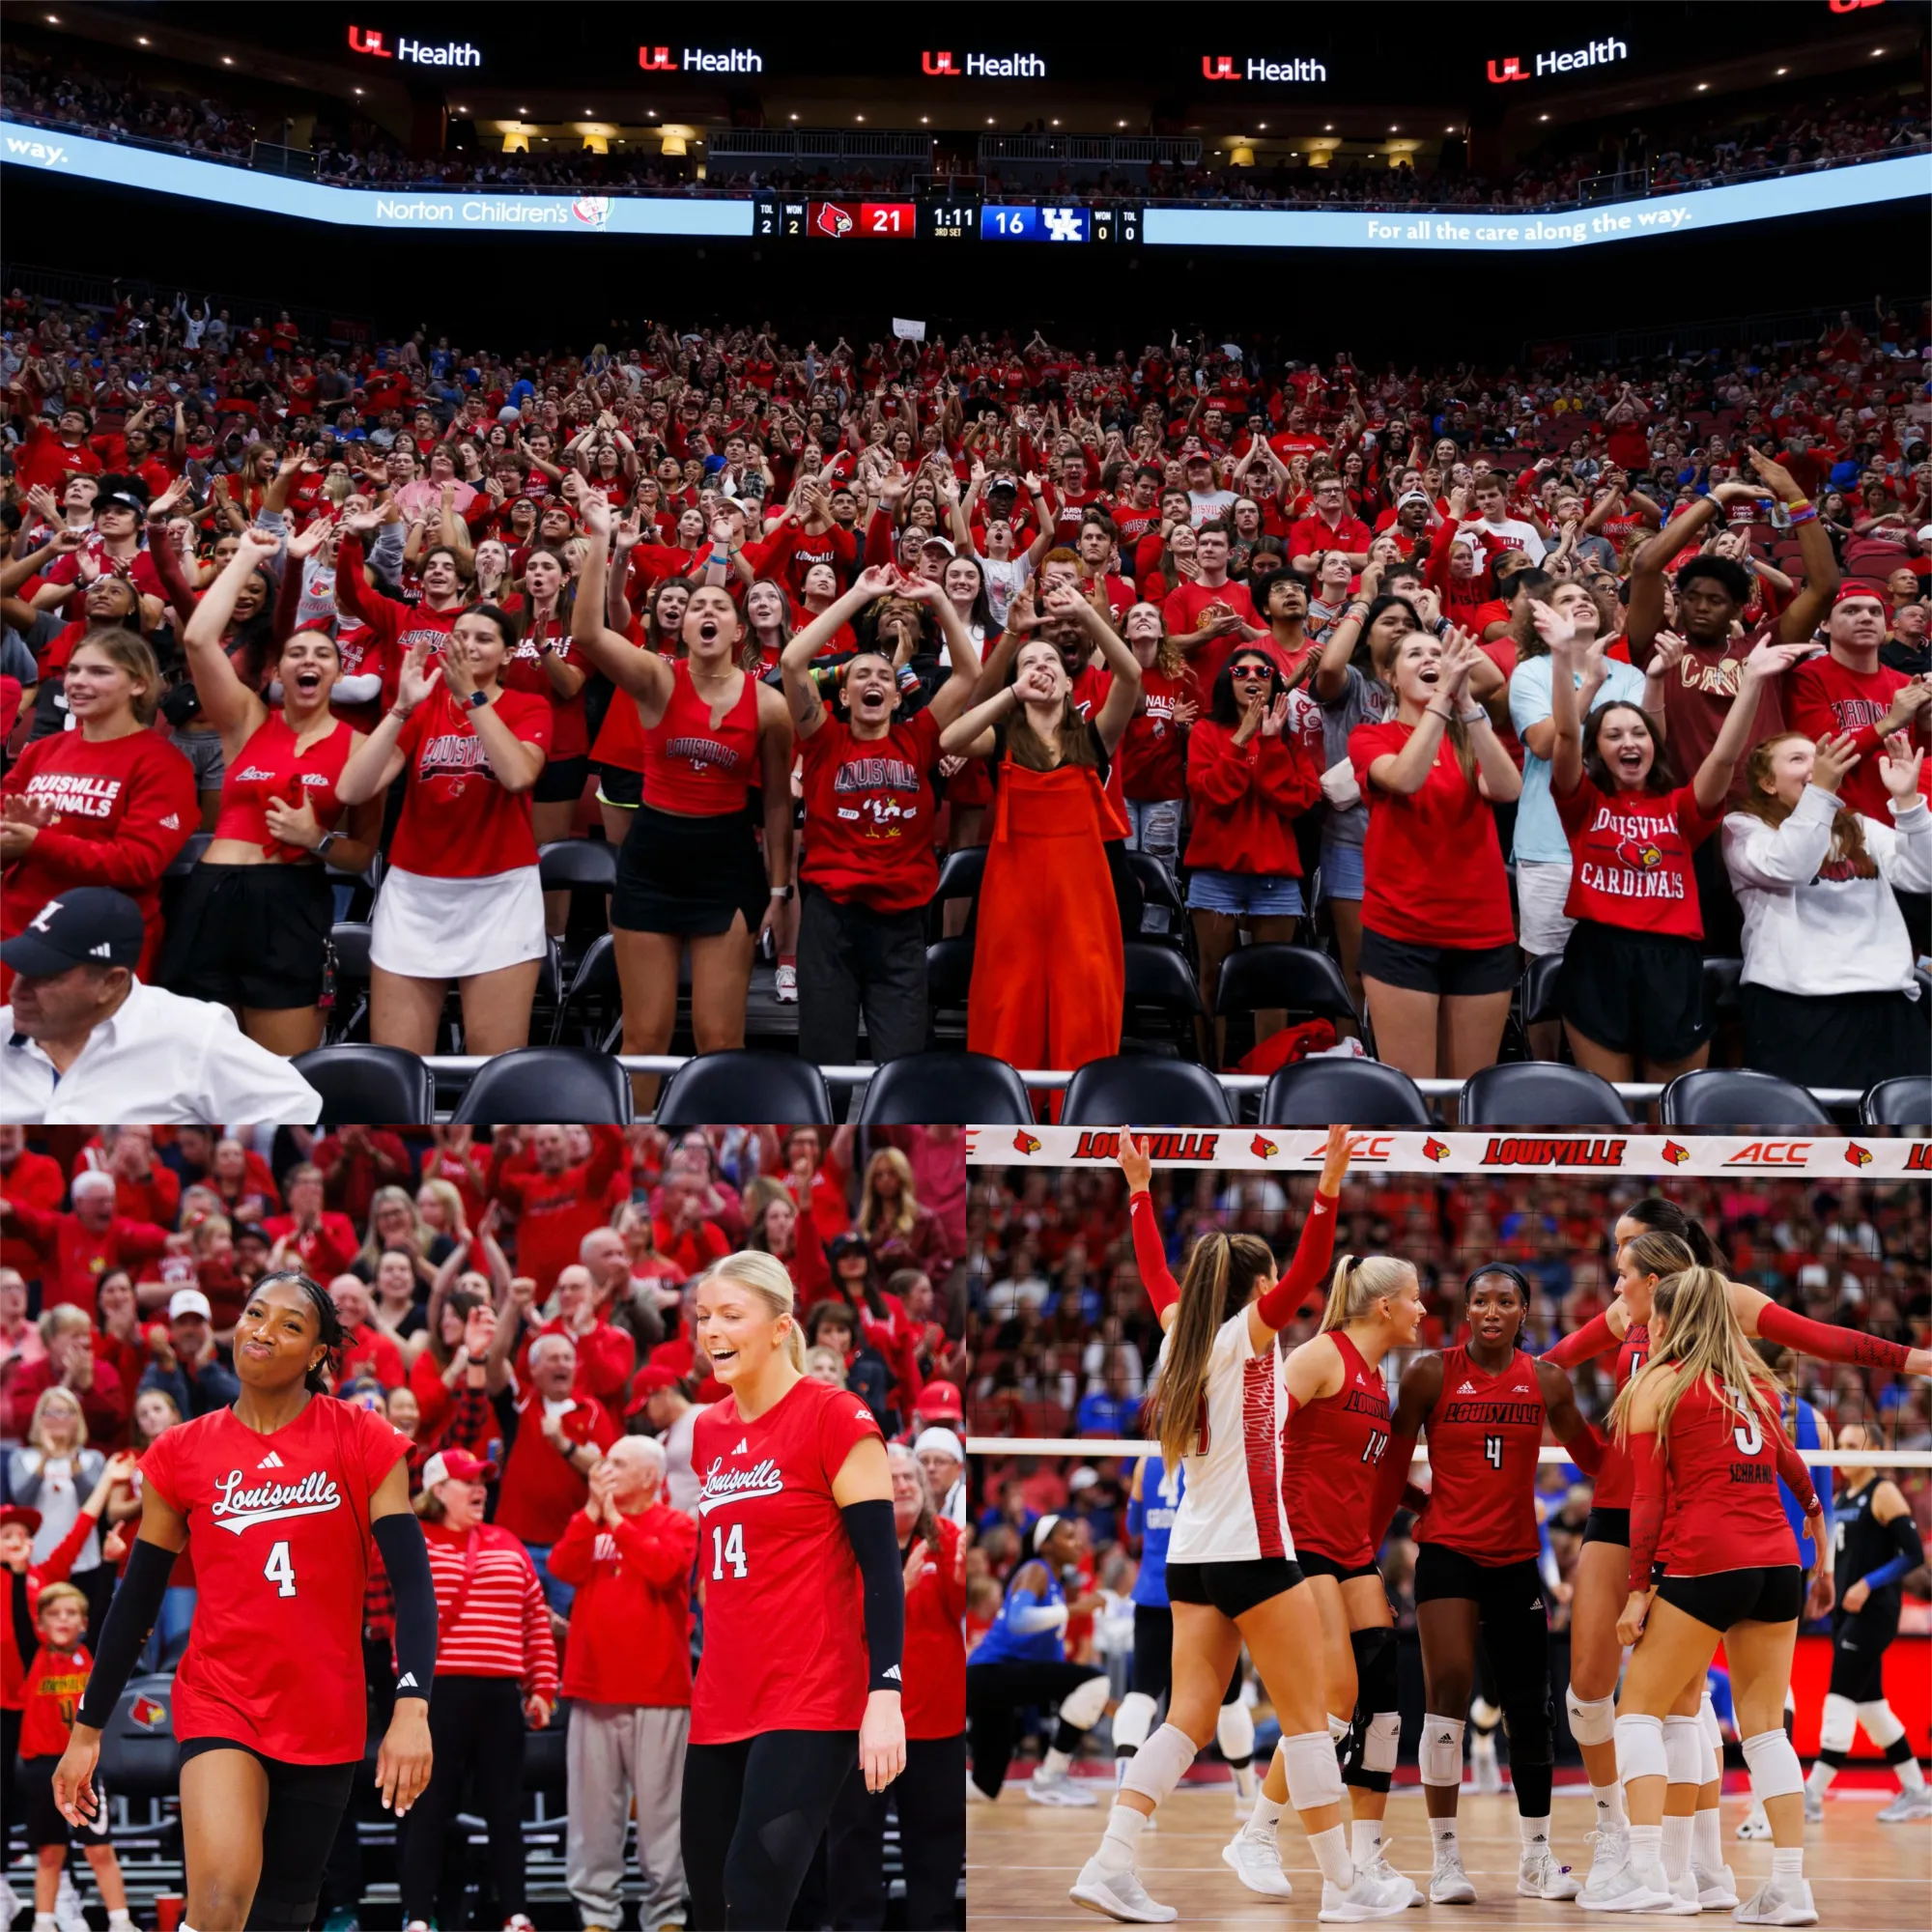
{"points": [[85, 1042]]}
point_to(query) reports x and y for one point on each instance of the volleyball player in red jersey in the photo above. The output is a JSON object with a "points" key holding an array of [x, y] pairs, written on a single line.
{"points": [[1701, 1426], [1337, 1435], [1483, 1404], [252, 926], [277, 1500], [690, 871], [1596, 1651], [798, 1558]]}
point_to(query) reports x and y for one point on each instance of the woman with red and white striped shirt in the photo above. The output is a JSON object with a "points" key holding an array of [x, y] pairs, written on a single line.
{"points": [[496, 1664]]}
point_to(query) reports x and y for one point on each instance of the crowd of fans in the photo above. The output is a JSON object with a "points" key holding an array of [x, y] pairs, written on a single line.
{"points": [[519, 1305], [765, 614], [1699, 149]]}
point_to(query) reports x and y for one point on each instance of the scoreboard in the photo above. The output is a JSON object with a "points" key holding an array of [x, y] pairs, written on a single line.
{"points": [[1050, 222]]}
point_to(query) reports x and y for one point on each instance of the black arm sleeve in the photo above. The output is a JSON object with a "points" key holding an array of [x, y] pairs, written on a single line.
{"points": [[405, 1557], [130, 1616], [26, 1638], [875, 1544]]}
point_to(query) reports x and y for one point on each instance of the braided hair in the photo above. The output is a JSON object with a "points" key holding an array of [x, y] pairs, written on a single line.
{"points": [[320, 1379]]}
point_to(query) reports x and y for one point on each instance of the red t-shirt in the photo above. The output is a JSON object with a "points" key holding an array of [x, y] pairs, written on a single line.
{"points": [[458, 822], [1630, 858], [1434, 870], [1484, 1434], [630, 1625], [1154, 755], [540, 1488], [278, 1527], [570, 729], [933, 1702], [774, 1556], [53, 1683], [72, 1259], [555, 1211], [868, 811], [1188, 606], [1697, 698], [1824, 696]]}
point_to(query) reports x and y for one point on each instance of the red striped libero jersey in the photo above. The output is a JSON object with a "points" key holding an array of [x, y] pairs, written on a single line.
{"points": [[784, 1629], [1722, 1510], [1483, 1434], [1334, 1449], [1616, 1480], [1232, 1512]]}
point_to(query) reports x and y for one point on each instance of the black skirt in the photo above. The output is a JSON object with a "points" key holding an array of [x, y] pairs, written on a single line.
{"points": [[690, 876], [1840, 1040]]}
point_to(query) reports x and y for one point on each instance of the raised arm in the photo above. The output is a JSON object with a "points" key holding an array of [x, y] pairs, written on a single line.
{"points": [[807, 711], [643, 674], [1734, 739], [230, 706], [1306, 1278]]}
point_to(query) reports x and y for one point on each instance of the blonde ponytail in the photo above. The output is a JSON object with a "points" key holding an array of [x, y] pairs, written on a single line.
{"points": [[1704, 1341], [766, 1276], [1358, 1284]]}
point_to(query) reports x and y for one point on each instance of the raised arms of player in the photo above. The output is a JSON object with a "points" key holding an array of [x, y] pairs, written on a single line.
{"points": [[1306, 1278]]}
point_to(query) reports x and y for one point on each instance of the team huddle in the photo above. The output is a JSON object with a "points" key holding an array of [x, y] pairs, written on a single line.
{"points": [[1276, 1482]]}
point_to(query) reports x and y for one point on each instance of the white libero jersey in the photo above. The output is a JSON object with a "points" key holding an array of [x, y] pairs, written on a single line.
{"points": [[1232, 1511]]}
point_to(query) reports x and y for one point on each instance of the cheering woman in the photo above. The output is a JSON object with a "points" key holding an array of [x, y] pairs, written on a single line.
{"points": [[690, 872], [252, 926], [461, 900], [797, 1535], [1232, 1577], [269, 1755], [1483, 1404]]}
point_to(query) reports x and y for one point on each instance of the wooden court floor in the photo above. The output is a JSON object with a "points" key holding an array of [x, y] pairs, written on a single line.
{"points": [[1020, 1858]]}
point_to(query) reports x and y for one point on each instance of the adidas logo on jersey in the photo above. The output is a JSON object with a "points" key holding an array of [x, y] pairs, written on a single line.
{"points": [[270, 1461], [1467, 1388], [743, 1447], [407, 1681], [894, 1674]]}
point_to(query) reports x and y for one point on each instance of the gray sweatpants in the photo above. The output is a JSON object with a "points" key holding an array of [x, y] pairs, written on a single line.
{"points": [[615, 1752]]}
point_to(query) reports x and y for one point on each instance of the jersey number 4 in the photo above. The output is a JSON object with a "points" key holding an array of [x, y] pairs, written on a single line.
{"points": [[1493, 1451], [280, 1571], [727, 1548]]}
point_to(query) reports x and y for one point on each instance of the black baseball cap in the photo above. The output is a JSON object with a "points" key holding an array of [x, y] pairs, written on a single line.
{"points": [[90, 925]]}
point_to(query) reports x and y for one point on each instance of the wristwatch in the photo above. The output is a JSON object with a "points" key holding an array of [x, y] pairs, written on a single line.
{"points": [[322, 843], [478, 699], [782, 893]]}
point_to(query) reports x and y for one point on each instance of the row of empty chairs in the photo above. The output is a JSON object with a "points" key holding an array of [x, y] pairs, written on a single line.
{"points": [[562, 1083]]}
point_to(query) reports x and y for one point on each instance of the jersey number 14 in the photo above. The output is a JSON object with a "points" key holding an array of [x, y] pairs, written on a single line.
{"points": [[728, 1548]]}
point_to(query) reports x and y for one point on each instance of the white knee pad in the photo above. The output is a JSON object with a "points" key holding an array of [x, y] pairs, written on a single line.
{"points": [[1337, 1728], [1083, 1706], [1713, 1731], [1160, 1764], [1234, 1733], [1593, 1720], [1314, 1776], [1775, 1770], [1440, 1756], [1132, 1722], [1839, 1724], [1881, 1722], [1379, 1749], [1484, 1715], [1639, 1741], [1685, 1752]]}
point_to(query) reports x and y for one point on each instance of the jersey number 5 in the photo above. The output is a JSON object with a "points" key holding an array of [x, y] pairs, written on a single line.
{"points": [[280, 1571], [1747, 1435], [1493, 1451], [727, 1549]]}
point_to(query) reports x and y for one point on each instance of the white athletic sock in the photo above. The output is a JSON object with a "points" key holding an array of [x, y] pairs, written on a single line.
{"points": [[1266, 1816], [1122, 1844], [1646, 1844], [1707, 1840], [1442, 1830], [1820, 1780], [1535, 1833], [1910, 1775], [120, 1922], [1676, 1844], [46, 1922], [1054, 1764], [1610, 1814], [1331, 1854], [1365, 1841], [1787, 1865]]}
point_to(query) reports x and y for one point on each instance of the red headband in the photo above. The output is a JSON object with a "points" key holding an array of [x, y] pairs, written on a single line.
{"points": [[1846, 591]]}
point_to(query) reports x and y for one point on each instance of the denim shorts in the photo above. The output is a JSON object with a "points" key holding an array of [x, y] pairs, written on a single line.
{"points": [[1259, 894], [1342, 872]]}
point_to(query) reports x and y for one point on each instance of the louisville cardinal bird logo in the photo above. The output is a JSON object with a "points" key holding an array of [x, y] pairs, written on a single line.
{"points": [[833, 219], [1856, 1156], [148, 1713], [1435, 1150], [1675, 1154], [1025, 1143], [1639, 855], [1263, 1149]]}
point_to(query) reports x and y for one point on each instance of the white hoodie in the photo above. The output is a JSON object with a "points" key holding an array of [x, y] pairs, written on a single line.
{"points": [[1817, 936]]}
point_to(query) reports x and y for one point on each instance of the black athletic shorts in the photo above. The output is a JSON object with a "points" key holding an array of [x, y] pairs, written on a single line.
{"points": [[1858, 1645], [44, 1823], [562, 779], [1232, 1588], [619, 786], [249, 936], [1608, 1526], [1639, 993], [1314, 1564], [690, 876], [1772, 1593], [1442, 1571], [1454, 972]]}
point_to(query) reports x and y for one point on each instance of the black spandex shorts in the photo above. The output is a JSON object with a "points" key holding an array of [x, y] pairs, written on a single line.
{"points": [[44, 1823], [1442, 1571], [1761, 1594], [562, 779], [1453, 972], [249, 936], [1231, 1588], [305, 1806], [1314, 1564], [1639, 993], [1608, 1526], [616, 785], [1858, 1645], [690, 876]]}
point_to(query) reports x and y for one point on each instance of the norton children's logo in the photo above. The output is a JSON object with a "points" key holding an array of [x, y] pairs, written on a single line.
{"points": [[726, 1485], [1159, 1146], [316, 1494], [1513, 1150]]}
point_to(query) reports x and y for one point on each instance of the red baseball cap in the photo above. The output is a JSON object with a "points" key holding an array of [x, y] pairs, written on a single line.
{"points": [[1848, 590], [456, 1465], [28, 1520], [941, 1398]]}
